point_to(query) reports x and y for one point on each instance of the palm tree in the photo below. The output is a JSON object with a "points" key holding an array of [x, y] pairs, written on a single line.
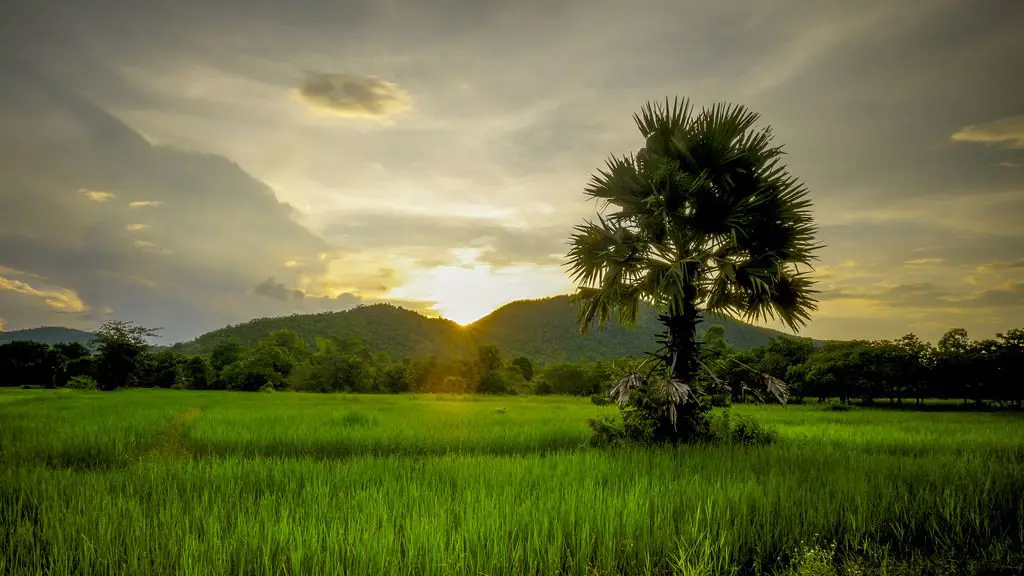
{"points": [[703, 219]]}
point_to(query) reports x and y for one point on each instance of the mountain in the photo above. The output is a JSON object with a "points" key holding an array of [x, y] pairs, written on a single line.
{"points": [[399, 332], [48, 335], [543, 330], [546, 329]]}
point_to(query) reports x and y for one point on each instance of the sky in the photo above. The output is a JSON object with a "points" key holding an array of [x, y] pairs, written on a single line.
{"points": [[191, 164]]}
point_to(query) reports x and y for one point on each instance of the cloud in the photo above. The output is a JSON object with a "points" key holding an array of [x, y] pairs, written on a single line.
{"points": [[970, 212], [276, 290], [97, 195], [1002, 265], [930, 296], [57, 299], [3, 323], [1010, 294], [918, 262], [1008, 164], [496, 242], [354, 96], [1006, 131], [134, 227], [145, 203]]}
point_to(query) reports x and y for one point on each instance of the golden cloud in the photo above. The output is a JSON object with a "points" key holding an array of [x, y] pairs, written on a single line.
{"points": [[354, 96], [145, 203], [1008, 131], [97, 195], [135, 227], [60, 299]]}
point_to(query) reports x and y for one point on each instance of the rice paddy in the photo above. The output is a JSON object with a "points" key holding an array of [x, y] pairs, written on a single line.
{"points": [[202, 483]]}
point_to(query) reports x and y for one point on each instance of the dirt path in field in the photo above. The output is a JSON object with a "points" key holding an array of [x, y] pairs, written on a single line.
{"points": [[170, 443]]}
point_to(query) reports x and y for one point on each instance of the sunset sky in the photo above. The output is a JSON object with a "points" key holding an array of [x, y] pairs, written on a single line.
{"points": [[195, 163]]}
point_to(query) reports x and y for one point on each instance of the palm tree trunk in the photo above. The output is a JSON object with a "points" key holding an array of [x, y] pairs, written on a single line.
{"points": [[681, 327]]}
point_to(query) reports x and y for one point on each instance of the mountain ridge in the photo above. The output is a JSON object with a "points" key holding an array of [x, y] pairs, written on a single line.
{"points": [[48, 335], [542, 329]]}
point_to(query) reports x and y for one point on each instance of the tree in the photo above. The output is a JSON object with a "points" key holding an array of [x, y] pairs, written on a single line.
{"points": [[67, 360], [165, 369], [703, 219], [198, 372], [26, 362], [121, 347], [225, 353], [525, 367]]}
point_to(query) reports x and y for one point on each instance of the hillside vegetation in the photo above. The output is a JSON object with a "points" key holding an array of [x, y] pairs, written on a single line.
{"points": [[544, 330], [48, 335]]}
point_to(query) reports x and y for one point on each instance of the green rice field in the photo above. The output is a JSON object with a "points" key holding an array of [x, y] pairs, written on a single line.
{"points": [[156, 482]]}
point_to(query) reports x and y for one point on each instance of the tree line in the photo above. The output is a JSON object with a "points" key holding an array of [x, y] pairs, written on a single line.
{"points": [[120, 357], [905, 370]]}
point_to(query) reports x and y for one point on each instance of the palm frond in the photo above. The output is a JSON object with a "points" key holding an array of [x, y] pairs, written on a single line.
{"points": [[622, 390], [673, 392]]}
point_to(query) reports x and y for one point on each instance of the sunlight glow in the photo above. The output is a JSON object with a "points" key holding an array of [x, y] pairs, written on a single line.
{"points": [[469, 291]]}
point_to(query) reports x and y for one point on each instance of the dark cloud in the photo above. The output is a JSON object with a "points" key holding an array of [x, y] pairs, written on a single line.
{"points": [[354, 96], [271, 288], [70, 212]]}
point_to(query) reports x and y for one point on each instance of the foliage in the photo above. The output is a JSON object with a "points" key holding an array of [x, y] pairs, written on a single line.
{"points": [[542, 330], [82, 383], [525, 367], [703, 219], [121, 348]]}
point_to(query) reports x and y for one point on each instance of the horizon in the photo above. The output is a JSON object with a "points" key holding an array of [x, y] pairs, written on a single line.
{"points": [[255, 161], [710, 319]]}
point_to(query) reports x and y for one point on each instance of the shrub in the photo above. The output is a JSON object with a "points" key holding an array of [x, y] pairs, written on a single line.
{"points": [[839, 406], [749, 432], [608, 431], [600, 400], [82, 382], [542, 387], [744, 430]]}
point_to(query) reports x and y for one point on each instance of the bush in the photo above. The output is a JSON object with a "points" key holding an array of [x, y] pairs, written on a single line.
{"points": [[748, 432], [542, 387], [82, 382], [721, 401], [608, 431], [744, 430], [839, 406], [600, 400]]}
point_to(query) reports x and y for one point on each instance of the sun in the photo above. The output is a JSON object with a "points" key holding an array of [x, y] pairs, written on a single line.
{"points": [[467, 292]]}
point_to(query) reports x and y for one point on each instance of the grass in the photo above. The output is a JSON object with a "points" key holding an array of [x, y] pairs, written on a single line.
{"points": [[175, 482]]}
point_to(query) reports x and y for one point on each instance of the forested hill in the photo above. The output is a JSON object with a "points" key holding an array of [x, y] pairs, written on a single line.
{"points": [[385, 328], [543, 330], [49, 335], [546, 329]]}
